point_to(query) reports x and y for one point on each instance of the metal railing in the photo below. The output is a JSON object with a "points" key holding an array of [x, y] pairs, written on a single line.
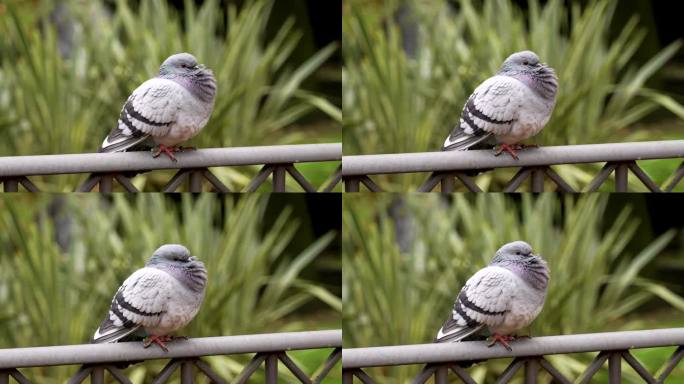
{"points": [[96, 359], [534, 163], [193, 167], [528, 354]]}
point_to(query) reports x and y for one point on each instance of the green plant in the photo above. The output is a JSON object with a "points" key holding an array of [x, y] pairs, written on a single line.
{"points": [[62, 258], [405, 258], [395, 102], [52, 103]]}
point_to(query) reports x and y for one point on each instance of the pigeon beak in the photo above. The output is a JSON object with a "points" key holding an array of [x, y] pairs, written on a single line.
{"points": [[192, 258]]}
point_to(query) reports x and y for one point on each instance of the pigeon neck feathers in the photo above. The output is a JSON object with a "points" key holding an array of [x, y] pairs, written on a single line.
{"points": [[542, 80], [199, 82], [192, 274], [532, 269]]}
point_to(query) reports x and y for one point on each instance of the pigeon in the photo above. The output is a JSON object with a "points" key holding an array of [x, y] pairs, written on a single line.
{"points": [[170, 108], [507, 108], [502, 298], [156, 300]]}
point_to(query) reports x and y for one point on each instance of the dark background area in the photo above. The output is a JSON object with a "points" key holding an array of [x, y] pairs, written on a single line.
{"points": [[321, 24], [662, 20]]}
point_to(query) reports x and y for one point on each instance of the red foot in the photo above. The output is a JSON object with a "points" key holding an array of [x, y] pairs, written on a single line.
{"points": [[159, 340], [168, 151], [510, 149], [503, 339]]}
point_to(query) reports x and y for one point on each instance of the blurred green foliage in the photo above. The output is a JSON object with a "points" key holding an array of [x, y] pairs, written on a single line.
{"points": [[65, 100], [405, 258], [63, 257], [404, 93]]}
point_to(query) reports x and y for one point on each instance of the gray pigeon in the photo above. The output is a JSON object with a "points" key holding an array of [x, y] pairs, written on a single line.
{"points": [[503, 297], [507, 108], [156, 300], [170, 108]]}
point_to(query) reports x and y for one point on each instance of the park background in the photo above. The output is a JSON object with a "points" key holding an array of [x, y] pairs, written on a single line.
{"points": [[409, 67], [616, 262], [68, 66], [273, 263]]}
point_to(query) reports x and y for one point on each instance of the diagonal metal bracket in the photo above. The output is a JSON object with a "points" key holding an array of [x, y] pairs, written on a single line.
{"points": [[676, 178], [334, 357], [446, 179], [105, 181], [194, 178], [670, 364], [621, 170], [11, 184], [5, 375], [336, 178]]}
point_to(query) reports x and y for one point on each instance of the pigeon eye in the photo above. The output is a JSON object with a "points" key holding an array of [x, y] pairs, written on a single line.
{"points": [[526, 62]]}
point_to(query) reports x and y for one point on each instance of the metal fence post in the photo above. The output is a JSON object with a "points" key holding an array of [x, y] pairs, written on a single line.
{"points": [[614, 368], [621, 177], [272, 369], [106, 184], [537, 180], [351, 184], [97, 375], [195, 181], [187, 372], [448, 183], [279, 178], [10, 185], [531, 369], [441, 374]]}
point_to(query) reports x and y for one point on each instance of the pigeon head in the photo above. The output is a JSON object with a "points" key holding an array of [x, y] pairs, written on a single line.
{"points": [[184, 69], [518, 257], [180, 63], [170, 253], [526, 67], [514, 251], [524, 60], [176, 260]]}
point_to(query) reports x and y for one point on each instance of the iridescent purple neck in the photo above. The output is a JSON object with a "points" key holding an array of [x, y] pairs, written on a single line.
{"points": [[193, 275], [532, 270], [541, 80], [200, 83]]}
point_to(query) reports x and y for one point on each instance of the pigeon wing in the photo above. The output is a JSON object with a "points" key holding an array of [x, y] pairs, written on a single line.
{"points": [[483, 301], [491, 109], [139, 302], [150, 111]]}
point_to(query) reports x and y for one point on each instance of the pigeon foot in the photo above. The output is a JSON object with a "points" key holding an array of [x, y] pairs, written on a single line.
{"points": [[159, 340], [503, 339], [510, 149], [167, 150]]}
